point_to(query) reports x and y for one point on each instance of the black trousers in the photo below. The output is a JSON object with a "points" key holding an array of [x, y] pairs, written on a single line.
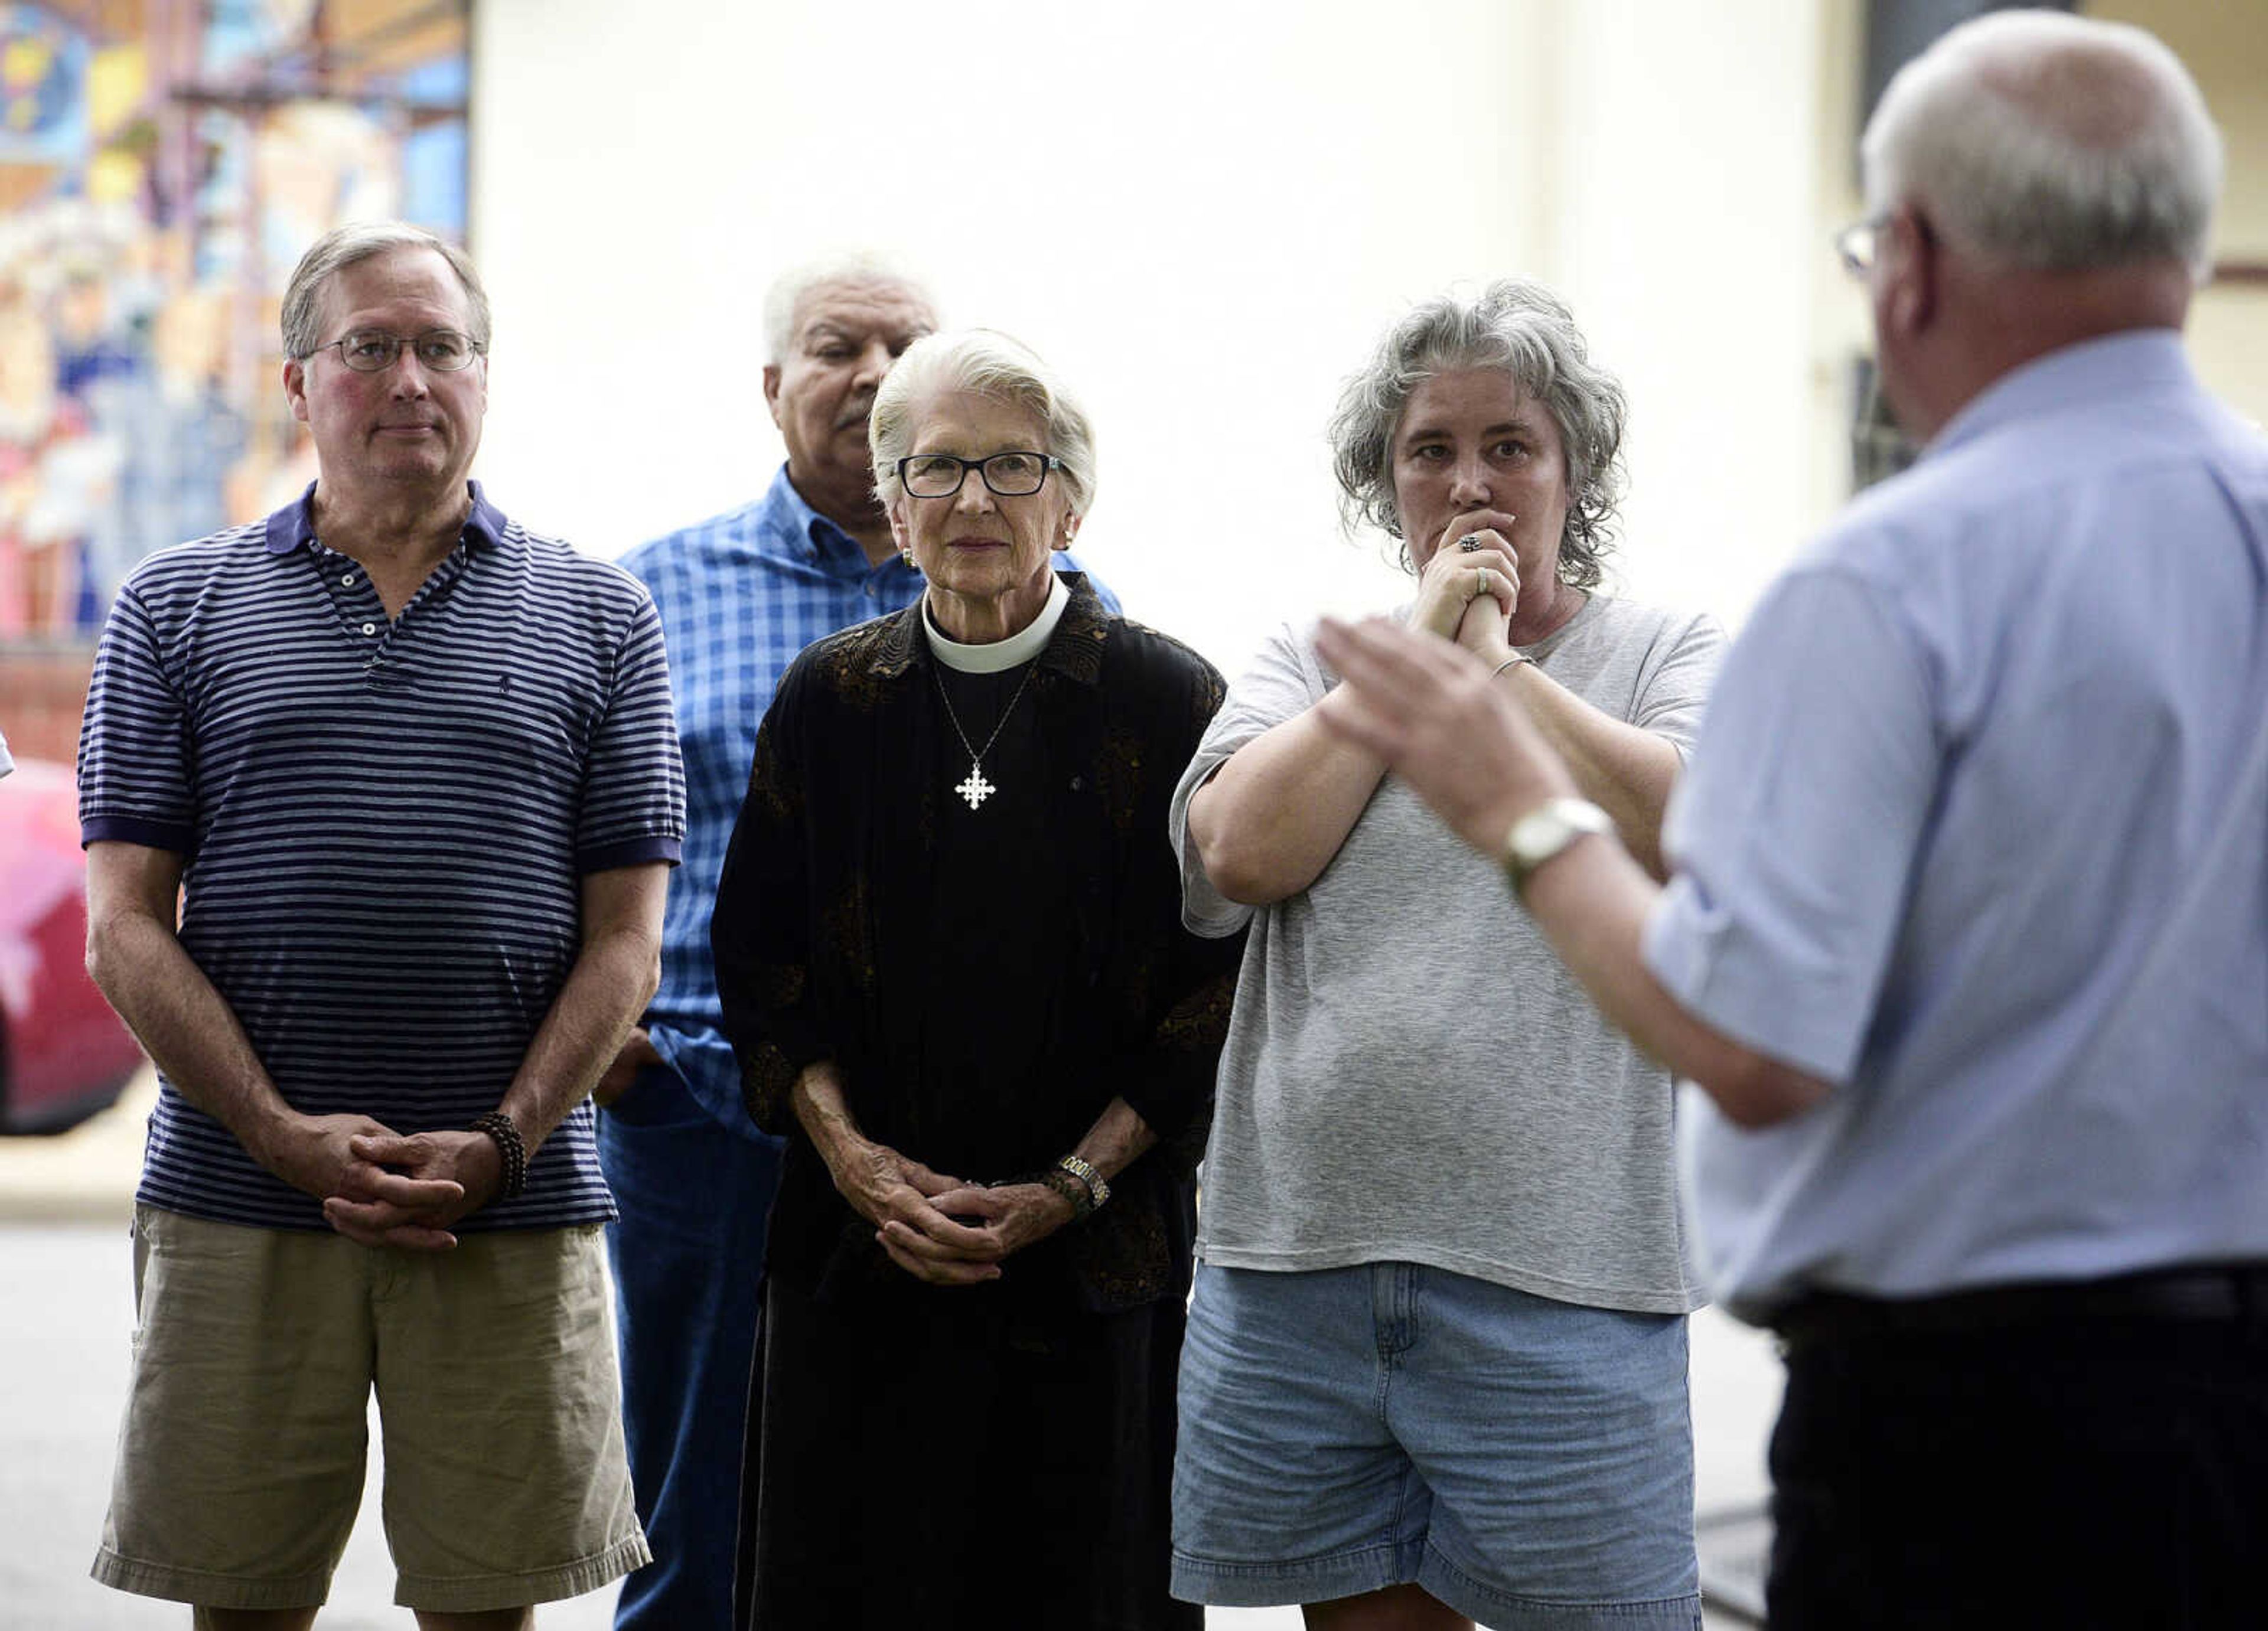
{"points": [[2076, 1471]]}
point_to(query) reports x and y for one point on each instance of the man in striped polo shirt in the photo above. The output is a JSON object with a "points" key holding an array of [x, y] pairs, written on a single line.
{"points": [[410, 772]]}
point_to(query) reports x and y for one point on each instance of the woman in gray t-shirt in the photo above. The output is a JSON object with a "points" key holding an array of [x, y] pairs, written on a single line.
{"points": [[1436, 1360]]}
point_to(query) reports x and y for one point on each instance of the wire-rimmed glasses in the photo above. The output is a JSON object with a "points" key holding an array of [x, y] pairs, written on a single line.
{"points": [[374, 350]]}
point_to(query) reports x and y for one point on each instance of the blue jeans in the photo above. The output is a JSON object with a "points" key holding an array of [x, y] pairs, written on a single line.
{"points": [[1528, 1462], [687, 1257]]}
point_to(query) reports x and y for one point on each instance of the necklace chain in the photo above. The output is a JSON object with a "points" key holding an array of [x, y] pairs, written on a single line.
{"points": [[973, 787]]}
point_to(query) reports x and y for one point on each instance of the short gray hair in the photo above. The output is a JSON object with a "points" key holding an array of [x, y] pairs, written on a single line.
{"points": [[1522, 328], [788, 290], [341, 247], [982, 362], [2051, 143]]}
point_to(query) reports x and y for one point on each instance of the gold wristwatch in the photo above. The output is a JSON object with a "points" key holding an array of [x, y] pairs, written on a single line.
{"points": [[1098, 1188], [1546, 830]]}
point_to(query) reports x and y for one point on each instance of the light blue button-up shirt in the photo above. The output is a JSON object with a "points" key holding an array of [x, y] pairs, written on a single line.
{"points": [[1977, 830]]}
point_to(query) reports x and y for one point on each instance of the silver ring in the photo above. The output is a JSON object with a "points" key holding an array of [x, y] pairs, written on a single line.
{"points": [[1470, 543], [1487, 577]]}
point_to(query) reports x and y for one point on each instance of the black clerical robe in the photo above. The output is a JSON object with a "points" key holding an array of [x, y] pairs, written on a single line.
{"points": [[987, 980]]}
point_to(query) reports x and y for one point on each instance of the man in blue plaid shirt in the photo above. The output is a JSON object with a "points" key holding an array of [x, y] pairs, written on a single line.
{"points": [[740, 595]]}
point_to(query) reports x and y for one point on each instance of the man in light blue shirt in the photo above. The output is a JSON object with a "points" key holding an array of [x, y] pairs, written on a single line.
{"points": [[1967, 941]]}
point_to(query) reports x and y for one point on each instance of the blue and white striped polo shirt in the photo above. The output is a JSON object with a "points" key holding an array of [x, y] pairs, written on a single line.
{"points": [[384, 825]]}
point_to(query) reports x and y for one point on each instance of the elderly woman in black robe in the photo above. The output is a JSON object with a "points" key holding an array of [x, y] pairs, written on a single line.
{"points": [[949, 944]]}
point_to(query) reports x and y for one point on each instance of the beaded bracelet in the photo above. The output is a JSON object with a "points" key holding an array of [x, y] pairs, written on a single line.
{"points": [[506, 1135]]}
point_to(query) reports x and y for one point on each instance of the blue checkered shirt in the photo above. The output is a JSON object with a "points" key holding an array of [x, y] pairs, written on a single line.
{"points": [[740, 595]]}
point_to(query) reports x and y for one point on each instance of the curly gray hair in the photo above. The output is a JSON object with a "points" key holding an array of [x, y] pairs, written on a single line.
{"points": [[1522, 328]]}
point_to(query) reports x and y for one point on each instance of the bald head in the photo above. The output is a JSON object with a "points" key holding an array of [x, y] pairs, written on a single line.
{"points": [[2050, 142]]}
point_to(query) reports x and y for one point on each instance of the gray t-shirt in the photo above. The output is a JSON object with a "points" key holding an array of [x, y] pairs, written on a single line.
{"points": [[1410, 1074]]}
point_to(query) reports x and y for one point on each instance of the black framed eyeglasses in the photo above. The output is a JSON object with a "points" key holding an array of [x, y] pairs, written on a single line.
{"points": [[1011, 475], [1858, 242], [374, 350]]}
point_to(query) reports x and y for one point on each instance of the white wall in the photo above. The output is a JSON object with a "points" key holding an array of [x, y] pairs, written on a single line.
{"points": [[1204, 213], [1690, 245]]}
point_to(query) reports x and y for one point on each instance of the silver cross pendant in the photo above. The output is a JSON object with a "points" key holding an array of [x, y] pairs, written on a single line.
{"points": [[973, 787]]}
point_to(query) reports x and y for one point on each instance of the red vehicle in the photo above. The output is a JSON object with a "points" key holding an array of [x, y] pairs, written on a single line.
{"points": [[63, 1054]]}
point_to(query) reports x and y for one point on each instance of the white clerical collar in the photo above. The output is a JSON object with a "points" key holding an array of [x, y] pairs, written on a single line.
{"points": [[998, 656]]}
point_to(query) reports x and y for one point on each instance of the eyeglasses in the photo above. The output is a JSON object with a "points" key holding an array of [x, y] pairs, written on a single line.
{"points": [[373, 351], [1010, 475], [1858, 242]]}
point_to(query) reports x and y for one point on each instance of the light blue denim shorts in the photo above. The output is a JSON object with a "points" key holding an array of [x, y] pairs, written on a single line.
{"points": [[1528, 1462]]}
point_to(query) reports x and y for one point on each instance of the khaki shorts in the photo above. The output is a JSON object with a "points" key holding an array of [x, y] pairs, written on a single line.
{"points": [[241, 1460]]}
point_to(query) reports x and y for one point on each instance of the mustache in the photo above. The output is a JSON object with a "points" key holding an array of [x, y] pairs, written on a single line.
{"points": [[857, 414]]}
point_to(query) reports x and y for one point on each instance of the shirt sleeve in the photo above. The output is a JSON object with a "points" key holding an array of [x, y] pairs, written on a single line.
{"points": [[634, 779], [134, 757], [761, 931], [1793, 833], [1676, 686], [1168, 1081], [1286, 679]]}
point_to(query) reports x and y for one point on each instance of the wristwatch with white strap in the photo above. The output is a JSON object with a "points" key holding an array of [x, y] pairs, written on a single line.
{"points": [[1546, 830]]}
